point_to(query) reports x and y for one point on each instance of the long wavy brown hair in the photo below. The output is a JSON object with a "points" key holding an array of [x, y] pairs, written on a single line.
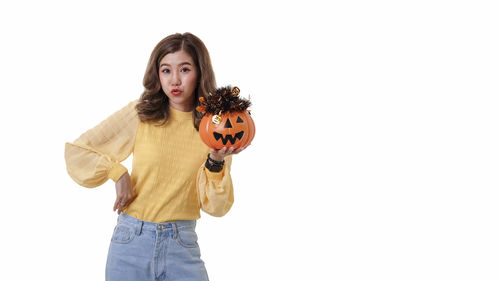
{"points": [[153, 105]]}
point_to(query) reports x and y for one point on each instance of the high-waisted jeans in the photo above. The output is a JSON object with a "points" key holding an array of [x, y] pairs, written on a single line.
{"points": [[147, 251]]}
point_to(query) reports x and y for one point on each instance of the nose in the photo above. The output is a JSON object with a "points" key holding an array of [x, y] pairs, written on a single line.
{"points": [[175, 79]]}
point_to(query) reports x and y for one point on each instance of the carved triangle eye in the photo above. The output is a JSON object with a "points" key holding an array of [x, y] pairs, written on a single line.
{"points": [[228, 124], [239, 120]]}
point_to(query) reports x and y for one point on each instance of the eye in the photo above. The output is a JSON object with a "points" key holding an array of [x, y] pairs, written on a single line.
{"points": [[239, 120], [185, 69], [166, 71]]}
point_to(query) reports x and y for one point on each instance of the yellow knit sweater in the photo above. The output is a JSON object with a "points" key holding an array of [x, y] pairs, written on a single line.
{"points": [[168, 176]]}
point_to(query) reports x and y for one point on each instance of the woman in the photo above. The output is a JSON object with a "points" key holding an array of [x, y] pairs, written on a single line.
{"points": [[174, 173]]}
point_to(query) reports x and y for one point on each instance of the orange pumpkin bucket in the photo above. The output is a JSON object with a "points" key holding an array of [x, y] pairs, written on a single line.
{"points": [[226, 121]]}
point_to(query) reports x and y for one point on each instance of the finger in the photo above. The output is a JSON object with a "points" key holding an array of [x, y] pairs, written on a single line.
{"points": [[219, 150], [115, 206], [230, 150], [124, 202], [121, 206], [120, 202]]}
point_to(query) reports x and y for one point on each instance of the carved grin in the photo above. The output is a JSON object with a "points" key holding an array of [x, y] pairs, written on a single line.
{"points": [[229, 138]]}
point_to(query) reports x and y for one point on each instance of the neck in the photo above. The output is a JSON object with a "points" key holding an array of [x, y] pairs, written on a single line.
{"points": [[177, 114], [184, 108]]}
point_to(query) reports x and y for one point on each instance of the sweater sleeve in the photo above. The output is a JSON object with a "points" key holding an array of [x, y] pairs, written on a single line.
{"points": [[95, 156], [215, 190]]}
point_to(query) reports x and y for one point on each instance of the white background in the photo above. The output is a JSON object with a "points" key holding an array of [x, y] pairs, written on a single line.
{"points": [[376, 155]]}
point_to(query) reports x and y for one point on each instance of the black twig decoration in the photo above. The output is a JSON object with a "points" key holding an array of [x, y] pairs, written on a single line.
{"points": [[224, 99]]}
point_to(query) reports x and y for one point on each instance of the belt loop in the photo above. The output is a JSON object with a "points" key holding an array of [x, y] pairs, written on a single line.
{"points": [[139, 228], [174, 226]]}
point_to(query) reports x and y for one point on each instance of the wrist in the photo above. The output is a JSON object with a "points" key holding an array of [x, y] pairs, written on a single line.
{"points": [[214, 165]]}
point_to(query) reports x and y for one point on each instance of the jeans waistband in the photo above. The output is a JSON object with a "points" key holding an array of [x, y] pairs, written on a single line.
{"points": [[140, 225]]}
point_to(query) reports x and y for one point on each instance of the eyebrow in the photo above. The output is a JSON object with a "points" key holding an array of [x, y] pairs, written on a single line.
{"points": [[181, 64]]}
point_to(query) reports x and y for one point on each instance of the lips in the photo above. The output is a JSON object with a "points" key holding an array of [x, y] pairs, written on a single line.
{"points": [[176, 92]]}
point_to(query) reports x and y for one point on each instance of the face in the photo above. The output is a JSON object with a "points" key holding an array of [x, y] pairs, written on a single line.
{"points": [[178, 78]]}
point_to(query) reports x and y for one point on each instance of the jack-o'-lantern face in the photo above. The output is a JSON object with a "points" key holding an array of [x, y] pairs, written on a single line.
{"points": [[234, 129]]}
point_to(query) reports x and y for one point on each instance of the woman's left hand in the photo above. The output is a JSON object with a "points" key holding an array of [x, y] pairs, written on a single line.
{"points": [[218, 155]]}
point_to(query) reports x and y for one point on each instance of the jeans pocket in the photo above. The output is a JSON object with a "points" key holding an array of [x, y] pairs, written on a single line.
{"points": [[123, 234], [187, 237]]}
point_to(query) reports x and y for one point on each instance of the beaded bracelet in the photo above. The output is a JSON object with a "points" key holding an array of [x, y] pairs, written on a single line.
{"points": [[215, 162], [213, 167]]}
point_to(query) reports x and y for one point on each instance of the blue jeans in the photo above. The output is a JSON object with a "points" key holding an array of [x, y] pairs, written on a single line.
{"points": [[147, 251]]}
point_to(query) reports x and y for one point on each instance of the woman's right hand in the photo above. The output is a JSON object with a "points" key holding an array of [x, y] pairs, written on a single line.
{"points": [[124, 193]]}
